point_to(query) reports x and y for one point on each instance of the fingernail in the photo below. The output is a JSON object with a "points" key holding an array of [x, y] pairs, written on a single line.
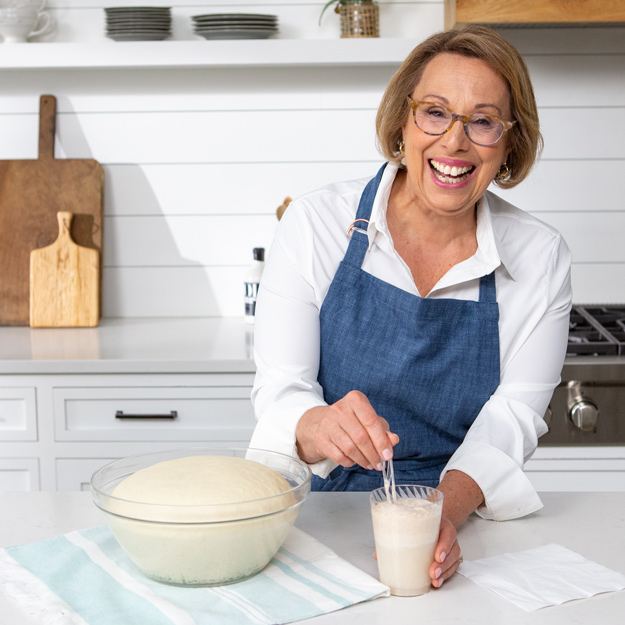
{"points": [[378, 466], [442, 556], [387, 454], [369, 467], [439, 582], [438, 572]]}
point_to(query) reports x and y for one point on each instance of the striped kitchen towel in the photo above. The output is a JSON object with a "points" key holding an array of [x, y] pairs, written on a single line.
{"points": [[84, 578]]}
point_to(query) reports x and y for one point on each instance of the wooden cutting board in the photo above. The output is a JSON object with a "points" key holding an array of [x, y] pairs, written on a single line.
{"points": [[64, 282], [32, 192]]}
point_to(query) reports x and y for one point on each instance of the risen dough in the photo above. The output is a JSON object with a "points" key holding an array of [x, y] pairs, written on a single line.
{"points": [[202, 519], [238, 486]]}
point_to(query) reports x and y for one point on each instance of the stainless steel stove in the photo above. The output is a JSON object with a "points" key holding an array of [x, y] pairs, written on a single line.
{"points": [[588, 407]]}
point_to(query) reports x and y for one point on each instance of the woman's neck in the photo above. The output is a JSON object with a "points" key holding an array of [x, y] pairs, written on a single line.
{"points": [[406, 214]]}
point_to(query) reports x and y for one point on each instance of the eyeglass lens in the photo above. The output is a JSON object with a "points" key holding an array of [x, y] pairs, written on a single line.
{"points": [[435, 119]]}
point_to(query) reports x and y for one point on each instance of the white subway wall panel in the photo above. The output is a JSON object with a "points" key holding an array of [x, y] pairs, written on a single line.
{"points": [[569, 185], [156, 137], [596, 283], [227, 240], [593, 237], [173, 291], [218, 188], [186, 240], [216, 291], [266, 136]]}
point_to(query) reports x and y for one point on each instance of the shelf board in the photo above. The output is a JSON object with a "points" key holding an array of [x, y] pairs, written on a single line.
{"points": [[231, 53]]}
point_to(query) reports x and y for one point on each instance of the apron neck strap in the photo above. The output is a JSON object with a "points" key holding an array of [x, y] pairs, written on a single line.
{"points": [[359, 242], [488, 290]]}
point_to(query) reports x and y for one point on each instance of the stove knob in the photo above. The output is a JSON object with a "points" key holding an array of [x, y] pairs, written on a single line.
{"points": [[584, 414]]}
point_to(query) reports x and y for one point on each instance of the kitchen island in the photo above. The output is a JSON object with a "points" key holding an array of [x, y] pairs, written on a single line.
{"points": [[592, 524]]}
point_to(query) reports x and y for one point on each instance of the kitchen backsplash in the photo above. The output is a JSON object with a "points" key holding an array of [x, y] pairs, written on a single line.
{"points": [[197, 160]]}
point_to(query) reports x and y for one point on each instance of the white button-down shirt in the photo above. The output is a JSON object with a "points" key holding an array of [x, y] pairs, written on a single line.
{"points": [[532, 270]]}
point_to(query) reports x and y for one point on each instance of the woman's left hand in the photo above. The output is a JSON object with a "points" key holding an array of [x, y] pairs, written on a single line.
{"points": [[447, 554]]}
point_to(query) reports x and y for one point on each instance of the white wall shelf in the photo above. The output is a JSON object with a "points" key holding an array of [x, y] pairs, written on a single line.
{"points": [[231, 53]]}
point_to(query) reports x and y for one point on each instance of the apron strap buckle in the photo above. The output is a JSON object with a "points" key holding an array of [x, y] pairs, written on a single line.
{"points": [[353, 227]]}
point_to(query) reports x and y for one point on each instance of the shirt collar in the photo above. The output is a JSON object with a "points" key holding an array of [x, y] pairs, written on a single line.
{"points": [[491, 235], [491, 251], [377, 220]]}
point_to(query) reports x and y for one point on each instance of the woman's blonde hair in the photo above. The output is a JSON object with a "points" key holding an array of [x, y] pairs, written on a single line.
{"points": [[524, 138]]}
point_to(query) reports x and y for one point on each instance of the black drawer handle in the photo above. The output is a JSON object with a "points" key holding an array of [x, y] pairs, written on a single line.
{"points": [[121, 415]]}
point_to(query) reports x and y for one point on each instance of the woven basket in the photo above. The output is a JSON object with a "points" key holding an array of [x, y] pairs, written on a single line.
{"points": [[359, 19]]}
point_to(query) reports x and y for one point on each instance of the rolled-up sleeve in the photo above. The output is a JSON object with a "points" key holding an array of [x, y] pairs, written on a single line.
{"points": [[286, 345], [505, 433]]}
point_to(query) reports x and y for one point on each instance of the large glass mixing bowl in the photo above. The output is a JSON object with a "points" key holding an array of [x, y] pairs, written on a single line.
{"points": [[201, 544]]}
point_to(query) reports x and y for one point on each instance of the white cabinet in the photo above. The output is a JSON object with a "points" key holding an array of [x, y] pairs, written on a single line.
{"points": [[19, 474], [578, 469], [18, 413], [78, 423], [75, 473], [162, 412]]}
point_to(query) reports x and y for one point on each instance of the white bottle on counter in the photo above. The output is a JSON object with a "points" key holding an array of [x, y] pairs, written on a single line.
{"points": [[252, 281]]}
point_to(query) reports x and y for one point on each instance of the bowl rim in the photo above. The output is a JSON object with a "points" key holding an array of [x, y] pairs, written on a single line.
{"points": [[98, 493]]}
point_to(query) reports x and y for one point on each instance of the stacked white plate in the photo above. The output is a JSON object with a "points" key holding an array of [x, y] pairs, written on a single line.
{"points": [[235, 25], [138, 23]]}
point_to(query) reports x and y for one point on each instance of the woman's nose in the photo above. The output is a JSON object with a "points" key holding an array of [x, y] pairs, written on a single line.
{"points": [[456, 138]]}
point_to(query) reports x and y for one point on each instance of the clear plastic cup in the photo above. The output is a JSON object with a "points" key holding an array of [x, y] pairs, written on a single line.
{"points": [[406, 532]]}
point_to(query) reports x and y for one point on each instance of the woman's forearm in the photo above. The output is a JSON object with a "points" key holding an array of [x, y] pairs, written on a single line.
{"points": [[305, 435], [462, 496]]}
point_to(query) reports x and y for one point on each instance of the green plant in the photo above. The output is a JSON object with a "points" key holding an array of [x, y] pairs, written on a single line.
{"points": [[338, 3]]}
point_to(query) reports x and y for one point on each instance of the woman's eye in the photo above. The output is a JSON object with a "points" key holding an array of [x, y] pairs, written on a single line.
{"points": [[436, 112], [483, 122]]}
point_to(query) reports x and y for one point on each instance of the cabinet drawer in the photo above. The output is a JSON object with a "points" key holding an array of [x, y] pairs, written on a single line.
{"points": [[577, 474], [19, 474], [75, 473], [201, 414], [18, 414]]}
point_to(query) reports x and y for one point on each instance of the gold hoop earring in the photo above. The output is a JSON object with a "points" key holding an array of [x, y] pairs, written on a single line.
{"points": [[400, 147], [504, 174]]}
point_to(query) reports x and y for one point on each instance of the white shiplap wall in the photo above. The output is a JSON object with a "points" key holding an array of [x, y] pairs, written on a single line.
{"points": [[196, 160]]}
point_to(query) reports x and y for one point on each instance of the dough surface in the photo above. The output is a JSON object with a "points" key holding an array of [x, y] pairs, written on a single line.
{"points": [[239, 488]]}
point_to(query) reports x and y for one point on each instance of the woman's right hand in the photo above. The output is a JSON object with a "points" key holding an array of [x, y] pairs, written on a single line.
{"points": [[347, 432]]}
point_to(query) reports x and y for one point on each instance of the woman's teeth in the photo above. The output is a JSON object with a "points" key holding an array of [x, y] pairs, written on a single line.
{"points": [[450, 175]]}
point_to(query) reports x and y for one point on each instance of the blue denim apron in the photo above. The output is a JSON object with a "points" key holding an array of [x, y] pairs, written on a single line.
{"points": [[426, 365]]}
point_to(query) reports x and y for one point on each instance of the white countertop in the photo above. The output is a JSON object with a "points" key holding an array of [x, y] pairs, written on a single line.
{"points": [[154, 345], [592, 524], [141, 345]]}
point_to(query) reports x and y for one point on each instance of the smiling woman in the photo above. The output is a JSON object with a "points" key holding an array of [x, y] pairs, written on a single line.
{"points": [[417, 315]]}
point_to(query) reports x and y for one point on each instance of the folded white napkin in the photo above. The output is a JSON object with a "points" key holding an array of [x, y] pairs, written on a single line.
{"points": [[85, 578], [547, 575]]}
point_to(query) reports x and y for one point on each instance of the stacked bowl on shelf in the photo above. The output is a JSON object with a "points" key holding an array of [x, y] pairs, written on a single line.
{"points": [[138, 23], [235, 25]]}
